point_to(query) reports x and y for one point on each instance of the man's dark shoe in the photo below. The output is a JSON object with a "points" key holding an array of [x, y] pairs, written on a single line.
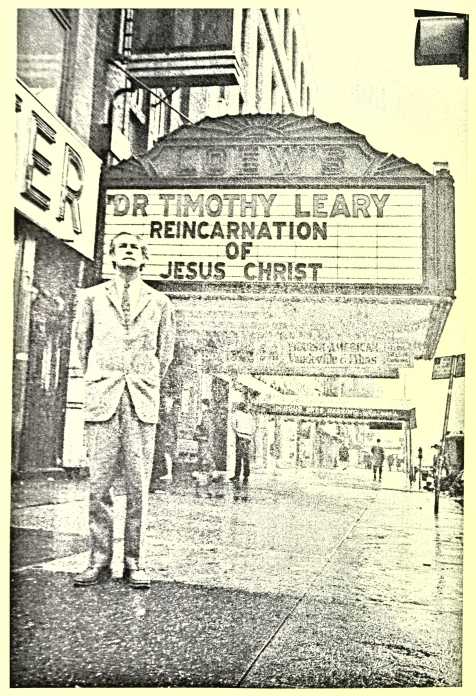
{"points": [[93, 575], [233, 478], [137, 577]]}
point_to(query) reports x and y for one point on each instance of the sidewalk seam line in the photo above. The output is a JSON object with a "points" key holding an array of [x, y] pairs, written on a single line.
{"points": [[50, 503], [303, 596], [39, 565]]}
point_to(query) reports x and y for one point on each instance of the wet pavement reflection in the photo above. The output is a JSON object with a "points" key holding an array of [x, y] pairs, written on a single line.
{"points": [[324, 580]]}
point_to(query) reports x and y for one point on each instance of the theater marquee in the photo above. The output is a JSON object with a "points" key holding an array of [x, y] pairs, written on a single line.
{"points": [[289, 245], [275, 235]]}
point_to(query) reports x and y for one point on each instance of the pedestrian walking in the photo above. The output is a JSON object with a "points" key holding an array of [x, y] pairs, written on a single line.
{"points": [[378, 455], [125, 340], [243, 425]]}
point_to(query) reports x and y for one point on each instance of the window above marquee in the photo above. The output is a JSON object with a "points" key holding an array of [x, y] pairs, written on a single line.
{"points": [[42, 54], [182, 47], [162, 31]]}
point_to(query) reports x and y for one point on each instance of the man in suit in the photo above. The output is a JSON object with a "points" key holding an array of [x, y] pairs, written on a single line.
{"points": [[125, 340], [244, 427], [378, 454]]}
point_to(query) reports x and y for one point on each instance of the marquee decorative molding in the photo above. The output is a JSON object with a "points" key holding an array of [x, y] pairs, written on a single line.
{"points": [[271, 147]]}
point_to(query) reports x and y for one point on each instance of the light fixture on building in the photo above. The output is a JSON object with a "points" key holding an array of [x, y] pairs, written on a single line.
{"points": [[441, 38]]}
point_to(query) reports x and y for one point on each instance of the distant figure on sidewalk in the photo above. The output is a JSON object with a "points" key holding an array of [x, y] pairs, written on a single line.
{"points": [[206, 476], [440, 464], [343, 455], [204, 437], [243, 425], [390, 459], [378, 455], [334, 454], [124, 332], [167, 441]]}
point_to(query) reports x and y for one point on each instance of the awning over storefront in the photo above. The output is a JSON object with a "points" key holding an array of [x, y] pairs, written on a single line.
{"points": [[352, 410]]}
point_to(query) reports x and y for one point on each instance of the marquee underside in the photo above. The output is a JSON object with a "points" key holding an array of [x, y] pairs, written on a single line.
{"points": [[328, 337]]}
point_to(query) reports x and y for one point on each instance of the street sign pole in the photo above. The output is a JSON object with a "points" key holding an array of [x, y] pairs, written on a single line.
{"points": [[420, 457], [442, 452]]}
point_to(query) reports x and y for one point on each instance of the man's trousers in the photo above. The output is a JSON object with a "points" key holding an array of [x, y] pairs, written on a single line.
{"points": [[242, 455], [127, 437], [378, 468]]}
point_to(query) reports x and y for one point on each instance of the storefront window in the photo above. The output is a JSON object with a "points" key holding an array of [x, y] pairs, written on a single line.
{"points": [[41, 48]]}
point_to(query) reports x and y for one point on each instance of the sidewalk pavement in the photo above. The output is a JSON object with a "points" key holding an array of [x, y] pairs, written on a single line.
{"points": [[54, 489], [325, 580], [47, 490]]}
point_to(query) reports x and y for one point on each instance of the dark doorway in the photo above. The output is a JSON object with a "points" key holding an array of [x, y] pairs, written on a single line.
{"points": [[220, 392], [55, 280]]}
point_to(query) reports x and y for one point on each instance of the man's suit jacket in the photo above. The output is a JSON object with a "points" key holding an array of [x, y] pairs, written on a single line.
{"points": [[112, 357]]}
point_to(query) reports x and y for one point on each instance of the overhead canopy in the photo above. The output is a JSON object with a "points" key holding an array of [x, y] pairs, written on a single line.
{"points": [[350, 336], [372, 415]]}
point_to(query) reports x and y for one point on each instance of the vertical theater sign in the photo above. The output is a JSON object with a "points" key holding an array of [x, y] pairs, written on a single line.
{"points": [[290, 246]]}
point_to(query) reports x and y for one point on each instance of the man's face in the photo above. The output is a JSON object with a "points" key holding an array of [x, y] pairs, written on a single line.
{"points": [[127, 252]]}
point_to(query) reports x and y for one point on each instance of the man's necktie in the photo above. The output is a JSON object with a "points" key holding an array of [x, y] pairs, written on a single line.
{"points": [[126, 303]]}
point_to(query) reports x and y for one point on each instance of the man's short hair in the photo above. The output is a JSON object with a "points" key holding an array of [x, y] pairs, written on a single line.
{"points": [[142, 246]]}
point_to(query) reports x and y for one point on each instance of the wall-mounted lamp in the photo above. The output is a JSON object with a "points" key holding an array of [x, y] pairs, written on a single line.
{"points": [[442, 38]]}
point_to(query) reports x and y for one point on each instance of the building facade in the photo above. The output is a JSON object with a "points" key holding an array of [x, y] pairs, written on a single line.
{"points": [[80, 108], [57, 180]]}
